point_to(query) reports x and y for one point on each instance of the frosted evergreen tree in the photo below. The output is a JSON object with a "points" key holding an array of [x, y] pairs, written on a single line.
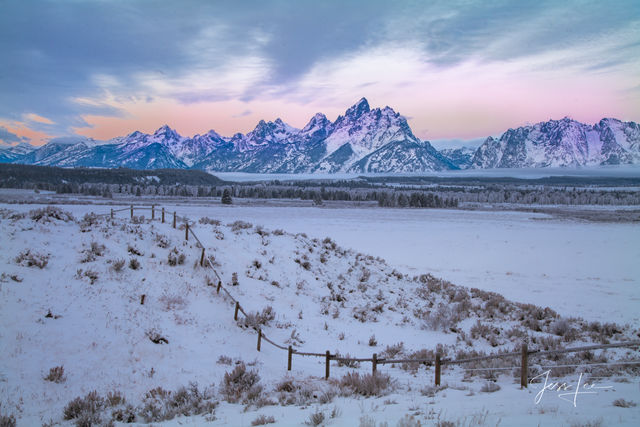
{"points": [[226, 197]]}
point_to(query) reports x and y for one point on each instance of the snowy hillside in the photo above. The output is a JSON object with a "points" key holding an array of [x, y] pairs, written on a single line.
{"points": [[124, 307]]}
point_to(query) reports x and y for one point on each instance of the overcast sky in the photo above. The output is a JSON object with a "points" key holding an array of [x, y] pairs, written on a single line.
{"points": [[463, 69]]}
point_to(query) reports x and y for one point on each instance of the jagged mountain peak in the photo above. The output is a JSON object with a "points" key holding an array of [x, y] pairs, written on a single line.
{"points": [[167, 132], [318, 121], [358, 109]]}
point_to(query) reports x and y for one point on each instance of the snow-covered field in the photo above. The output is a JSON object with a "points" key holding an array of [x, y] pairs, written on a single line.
{"points": [[582, 269], [102, 335]]}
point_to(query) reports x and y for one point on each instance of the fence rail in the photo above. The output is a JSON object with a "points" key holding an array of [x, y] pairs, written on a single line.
{"points": [[437, 361]]}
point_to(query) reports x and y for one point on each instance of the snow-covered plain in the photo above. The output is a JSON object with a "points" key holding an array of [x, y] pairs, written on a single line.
{"points": [[577, 268], [100, 336]]}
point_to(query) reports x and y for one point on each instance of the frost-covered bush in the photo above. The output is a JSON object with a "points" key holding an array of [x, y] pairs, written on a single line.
{"points": [[365, 385], [94, 250], [240, 385], [137, 219], [175, 257], [257, 319], [162, 405], [489, 387], [444, 318], [239, 225], [162, 241], [88, 221], [50, 213], [29, 258], [85, 410]]}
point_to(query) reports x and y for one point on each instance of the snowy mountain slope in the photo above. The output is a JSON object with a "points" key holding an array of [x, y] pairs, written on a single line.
{"points": [[11, 153], [460, 157], [83, 311], [562, 143]]}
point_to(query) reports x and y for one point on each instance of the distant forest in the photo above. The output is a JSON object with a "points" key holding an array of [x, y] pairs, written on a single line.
{"points": [[418, 192]]}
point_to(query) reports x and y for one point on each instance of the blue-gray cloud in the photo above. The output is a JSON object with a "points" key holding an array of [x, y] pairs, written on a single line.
{"points": [[54, 49], [9, 138]]}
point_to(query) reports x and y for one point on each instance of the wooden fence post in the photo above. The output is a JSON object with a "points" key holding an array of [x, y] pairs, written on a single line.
{"points": [[163, 215], [174, 219], [142, 299], [524, 366], [235, 315], [437, 369], [326, 365], [289, 358], [111, 213], [202, 258], [186, 231], [374, 364], [153, 212], [259, 338], [131, 211], [218, 288]]}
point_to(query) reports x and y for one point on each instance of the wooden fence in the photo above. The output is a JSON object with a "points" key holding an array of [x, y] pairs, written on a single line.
{"points": [[438, 362]]}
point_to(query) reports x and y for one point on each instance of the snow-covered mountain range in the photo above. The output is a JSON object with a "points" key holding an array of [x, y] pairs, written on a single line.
{"points": [[562, 143], [362, 140]]}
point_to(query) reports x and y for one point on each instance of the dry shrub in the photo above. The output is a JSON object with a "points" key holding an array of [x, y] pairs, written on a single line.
{"points": [[117, 265], [224, 360], [28, 258], [134, 264], [56, 375], [239, 225], [621, 403], [240, 385], [262, 420], [365, 385], [133, 250], [172, 302], [346, 360], [315, 418], [207, 220], [392, 351]]}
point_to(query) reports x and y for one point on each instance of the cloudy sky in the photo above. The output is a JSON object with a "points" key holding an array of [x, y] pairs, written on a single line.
{"points": [[455, 69]]}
